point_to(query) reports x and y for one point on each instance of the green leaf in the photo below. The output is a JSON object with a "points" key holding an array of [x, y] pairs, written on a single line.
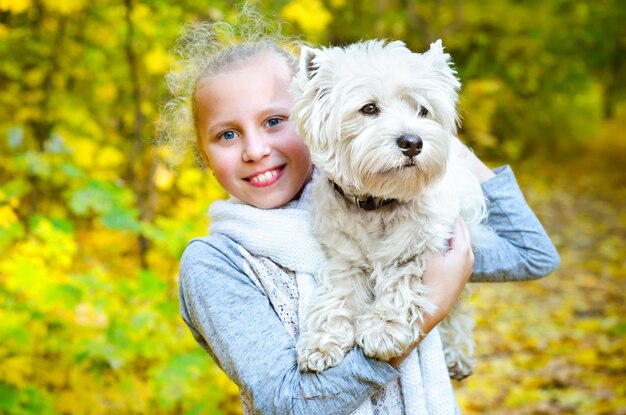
{"points": [[9, 397], [177, 377], [122, 219], [151, 286], [15, 137], [100, 197], [66, 296]]}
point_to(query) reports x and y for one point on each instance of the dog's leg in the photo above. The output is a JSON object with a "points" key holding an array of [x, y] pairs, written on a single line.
{"points": [[329, 327], [390, 325], [457, 338]]}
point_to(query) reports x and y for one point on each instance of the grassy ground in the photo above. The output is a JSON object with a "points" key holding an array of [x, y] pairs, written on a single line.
{"points": [[558, 345]]}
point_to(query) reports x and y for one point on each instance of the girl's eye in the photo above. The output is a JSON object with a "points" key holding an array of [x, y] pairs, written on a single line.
{"points": [[228, 135], [273, 122], [370, 109]]}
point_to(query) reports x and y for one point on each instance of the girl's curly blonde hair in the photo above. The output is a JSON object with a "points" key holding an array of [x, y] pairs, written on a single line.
{"points": [[206, 49]]}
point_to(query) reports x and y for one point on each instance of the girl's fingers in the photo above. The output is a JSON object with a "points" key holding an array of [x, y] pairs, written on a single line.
{"points": [[460, 235], [461, 245]]}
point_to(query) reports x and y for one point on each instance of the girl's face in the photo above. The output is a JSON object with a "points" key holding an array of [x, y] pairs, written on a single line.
{"points": [[246, 135]]}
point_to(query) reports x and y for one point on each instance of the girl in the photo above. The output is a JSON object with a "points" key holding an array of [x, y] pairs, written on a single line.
{"points": [[242, 288]]}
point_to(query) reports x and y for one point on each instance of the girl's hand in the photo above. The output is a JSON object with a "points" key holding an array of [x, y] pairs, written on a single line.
{"points": [[446, 275]]}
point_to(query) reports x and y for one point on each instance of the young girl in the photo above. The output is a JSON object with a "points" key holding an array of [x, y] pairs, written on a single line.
{"points": [[242, 289]]}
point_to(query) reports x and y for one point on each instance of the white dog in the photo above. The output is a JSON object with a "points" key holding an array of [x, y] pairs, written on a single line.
{"points": [[379, 121]]}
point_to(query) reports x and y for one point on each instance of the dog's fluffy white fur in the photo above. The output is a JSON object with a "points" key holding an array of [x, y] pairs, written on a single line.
{"points": [[379, 121]]}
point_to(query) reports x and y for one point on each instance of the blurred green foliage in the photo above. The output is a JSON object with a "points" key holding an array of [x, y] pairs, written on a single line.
{"points": [[92, 225]]}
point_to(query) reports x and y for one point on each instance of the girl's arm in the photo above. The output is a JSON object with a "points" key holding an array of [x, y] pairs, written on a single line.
{"points": [[234, 321], [522, 250]]}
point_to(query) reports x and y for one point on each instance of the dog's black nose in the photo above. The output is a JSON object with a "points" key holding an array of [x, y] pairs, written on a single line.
{"points": [[411, 145]]}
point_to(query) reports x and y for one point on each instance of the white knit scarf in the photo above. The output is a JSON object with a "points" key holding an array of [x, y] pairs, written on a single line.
{"points": [[282, 258]]}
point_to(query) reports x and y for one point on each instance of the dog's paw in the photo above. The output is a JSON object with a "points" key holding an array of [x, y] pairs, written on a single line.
{"points": [[459, 371], [316, 359], [382, 338], [460, 365]]}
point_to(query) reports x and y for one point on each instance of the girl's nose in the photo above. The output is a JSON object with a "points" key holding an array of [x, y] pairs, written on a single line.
{"points": [[256, 147]]}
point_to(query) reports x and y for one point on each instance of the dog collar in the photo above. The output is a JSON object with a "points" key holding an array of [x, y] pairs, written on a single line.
{"points": [[365, 202]]}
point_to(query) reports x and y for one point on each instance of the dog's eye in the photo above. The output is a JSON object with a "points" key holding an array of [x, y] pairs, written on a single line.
{"points": [[370, 109], [423, 112]]}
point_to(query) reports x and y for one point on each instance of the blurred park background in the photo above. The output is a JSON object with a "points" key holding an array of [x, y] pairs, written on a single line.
{"points": [[92, 224]]}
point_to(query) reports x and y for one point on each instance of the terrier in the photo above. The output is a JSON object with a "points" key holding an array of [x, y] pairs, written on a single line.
{"points": [[380, 121]]}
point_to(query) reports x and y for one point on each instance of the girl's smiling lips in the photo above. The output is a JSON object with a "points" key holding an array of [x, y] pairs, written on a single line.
{"points": [[266, 177]]}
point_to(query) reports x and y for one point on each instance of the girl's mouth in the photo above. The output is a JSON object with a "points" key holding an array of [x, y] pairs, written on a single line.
{"points": [[266, 178]]}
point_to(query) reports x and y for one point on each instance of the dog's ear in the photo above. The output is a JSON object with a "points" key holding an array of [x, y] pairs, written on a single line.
{"points": [[437, 56], [442, 66], [441, 62], [308, 66]]}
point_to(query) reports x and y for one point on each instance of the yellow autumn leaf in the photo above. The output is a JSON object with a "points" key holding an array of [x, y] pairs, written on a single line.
{"points": [[109, 157], [519, 396], [148, 108], [7, 217], [310, 15], [106, 92], [15, 6], [480, 99], [588, 325], [34, 77], [81, 397], [15, 370], [141, 13], [189, 181], [231, 391], [84, 151], [65, 6], [213, 190], [131, 386], [163, 178], [53, 378], [67, 403], [169, 155], [57, 247], [157, 61], [586, 357], [22, 273], [337, 3]]}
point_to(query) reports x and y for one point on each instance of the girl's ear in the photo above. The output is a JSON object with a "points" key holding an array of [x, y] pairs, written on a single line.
{"points": [[308, 61]]}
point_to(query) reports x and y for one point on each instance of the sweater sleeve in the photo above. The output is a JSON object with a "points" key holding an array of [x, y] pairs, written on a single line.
{"points": [[522, 250], [235, 322]]}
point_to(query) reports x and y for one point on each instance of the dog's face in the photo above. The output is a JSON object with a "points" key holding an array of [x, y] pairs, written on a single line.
{"points": [[377, 117]]}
